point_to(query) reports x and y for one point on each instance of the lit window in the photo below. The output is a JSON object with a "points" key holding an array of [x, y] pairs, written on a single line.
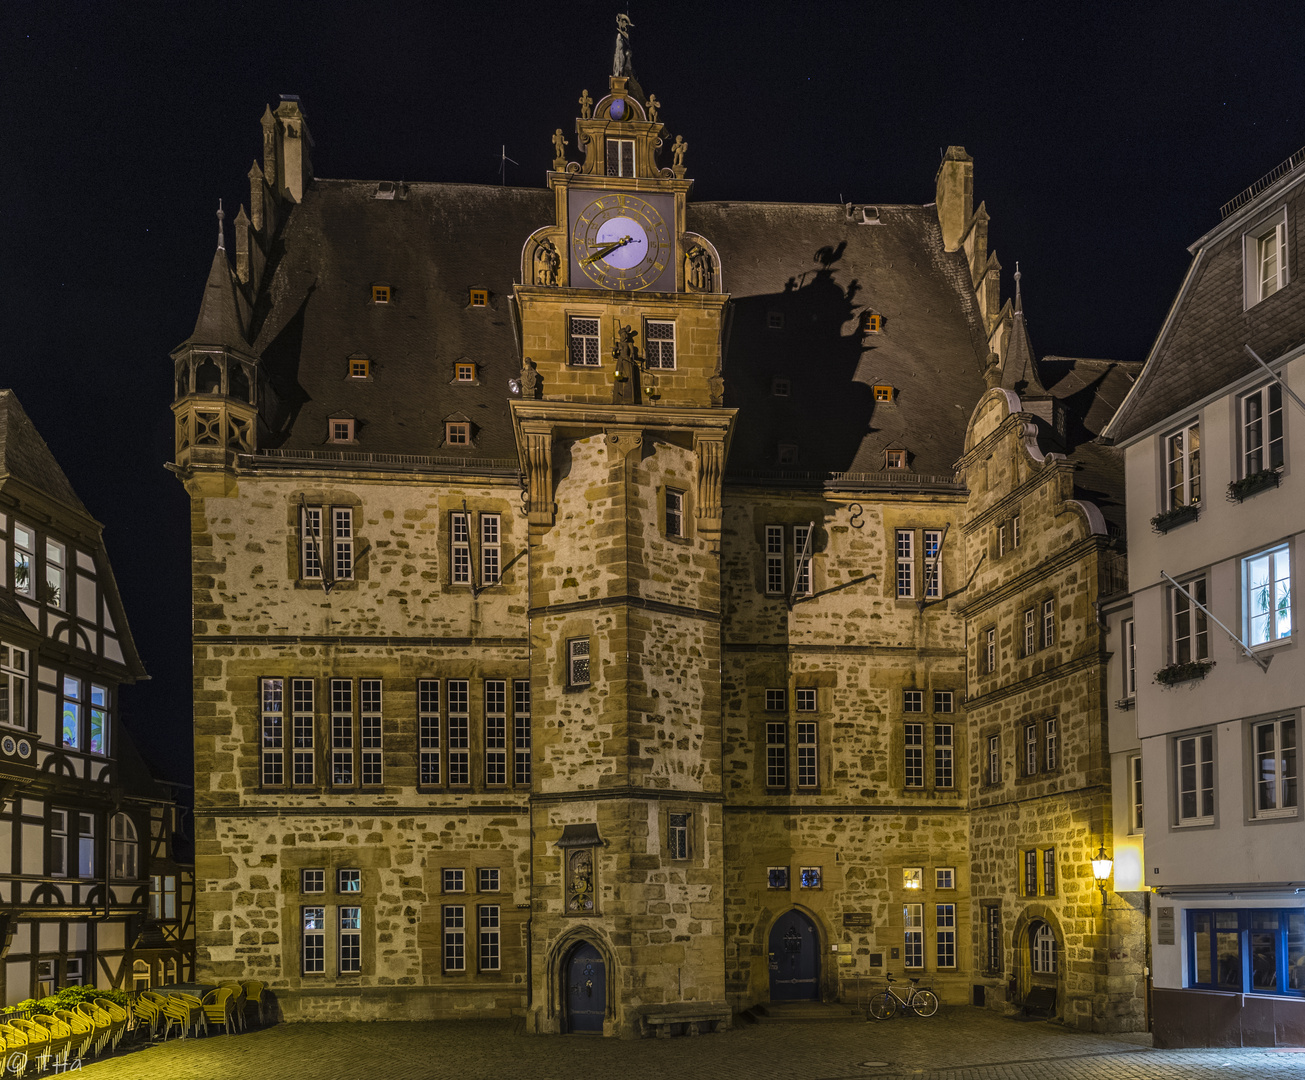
{"points": [[913, 701], [454, 880], [883, 393], [1183, 457], [1267, 577], [1049, 872], [776, 700], [1195, 765], [584, 342], [457, 434], [677, 835], [72, 714], [350, 940], [780, 387], [312, 881], [1261, 424], [479, 297], [54, 574], [1189, 638], [659, 341], [913, 936], [349, 881], [99, 735], [872, 322], [314, 922], [620, 157], [809, 877], [360, 367], [464, 372], [1265, 257], [495, 732], [380, 294], [674, 512], [806, 699], [341, 431], [123, 848], [577, 669], [1276, 774], [459, 730]]}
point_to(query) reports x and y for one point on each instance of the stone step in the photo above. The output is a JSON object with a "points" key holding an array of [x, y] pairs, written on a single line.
{"points": [[807, 1012]]}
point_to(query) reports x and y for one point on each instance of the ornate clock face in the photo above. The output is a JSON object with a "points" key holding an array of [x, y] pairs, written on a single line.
{"points": [[621, 242]]}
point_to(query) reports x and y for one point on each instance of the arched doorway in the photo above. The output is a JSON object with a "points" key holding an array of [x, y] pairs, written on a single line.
{"points": [[584, 988], [794, 958]]}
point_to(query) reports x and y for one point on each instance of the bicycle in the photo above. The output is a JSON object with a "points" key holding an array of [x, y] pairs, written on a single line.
{"points": [[919, 1001]]}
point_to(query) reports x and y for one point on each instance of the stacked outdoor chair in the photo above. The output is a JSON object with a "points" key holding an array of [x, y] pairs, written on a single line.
{"points": [[38, 1042], [176, 1016], [61, 1037], [196, 1007], [16, 1060], [83, 1031], [101, 1022], [119, 1020], [219, 1008], [147, 1013], [237, 1001], [254, 996]]}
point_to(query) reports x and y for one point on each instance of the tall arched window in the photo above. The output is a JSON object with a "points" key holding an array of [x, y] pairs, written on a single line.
{"points": [[1043, 949], [123, 849]]}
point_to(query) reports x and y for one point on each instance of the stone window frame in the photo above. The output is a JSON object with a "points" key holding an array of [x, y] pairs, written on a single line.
{"points": [[312, 880], [312, 939], [578, 649], [938, 879], [994, 949], [327, 534], [489, 879], [489, 938], [777, 873], [993, 770], [453, 880], [679, 835]]}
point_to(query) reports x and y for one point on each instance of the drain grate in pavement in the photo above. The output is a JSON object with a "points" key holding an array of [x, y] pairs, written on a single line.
{"points": [[872, 1065]]}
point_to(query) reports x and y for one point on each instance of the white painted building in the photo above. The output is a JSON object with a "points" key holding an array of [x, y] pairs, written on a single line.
{"points": [[1216, 514]]}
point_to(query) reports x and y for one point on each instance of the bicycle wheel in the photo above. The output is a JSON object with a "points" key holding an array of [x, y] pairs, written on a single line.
{"points": [[924, 1002], [883, 1006]]}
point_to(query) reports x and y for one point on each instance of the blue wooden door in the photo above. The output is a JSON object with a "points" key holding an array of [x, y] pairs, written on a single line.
{"points": [[794, 959], [586, 989]]}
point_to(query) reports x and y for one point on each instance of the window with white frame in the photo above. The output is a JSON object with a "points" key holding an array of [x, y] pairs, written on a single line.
{"points": [[495, 732], [932, 563], [912, 701], [487, 879], [342, 541], [1001, 540], [428, 731], [460, 548], [620, 157], [945, 935], [521, 732], [1030, 632], [1194, 756], [86, 861], [1135, 815], [491, 556], [944, 877], [674, 512], [348, 880], [163, 896], [312, 880], [1276, 775], [341, 732], [1042, 949], [98, 741], [489, 937], [943, 701], [584, 342], [659, 344], [1048, 623], [55, 557], [455, 879], [369, 722], [776, 754], [314, 940], [1015, 531], [1050, 744], [943, 752], [24, 560], [455, 937], [273, 765], [459, 731], [301, 719], [913, 735], [1267, 595], [317, 545], [1030, 749], [776, 699], [1261, 429], [71, 731], [913, 935], [805, 699], [1265, 257], [124, 849], [808, 774], [905, 562], [1183, 466], [1128, 644], [990, 650], [802, 541], [774, 560], [577, 662], [1189, 637], [994, 759], [13, 685], [350, 940]]}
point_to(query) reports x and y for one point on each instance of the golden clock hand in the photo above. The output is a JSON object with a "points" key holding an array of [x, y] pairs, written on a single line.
{"points": [[607, 249]]}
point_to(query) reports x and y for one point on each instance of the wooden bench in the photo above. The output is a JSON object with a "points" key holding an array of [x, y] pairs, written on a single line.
{"points": [[687, 1022]]}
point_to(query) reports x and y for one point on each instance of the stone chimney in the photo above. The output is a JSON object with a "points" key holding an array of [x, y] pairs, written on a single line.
{"points": [[294, 145], [955, 195]]}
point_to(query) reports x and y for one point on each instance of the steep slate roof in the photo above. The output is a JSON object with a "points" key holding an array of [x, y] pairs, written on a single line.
{"points": [[219, 320], [1200, 349], [24, 455], [807, 262]]}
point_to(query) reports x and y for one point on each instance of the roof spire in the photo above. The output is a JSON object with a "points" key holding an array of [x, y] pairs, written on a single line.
{"points": [[219, 321], [222, 242], [1019, 303]]}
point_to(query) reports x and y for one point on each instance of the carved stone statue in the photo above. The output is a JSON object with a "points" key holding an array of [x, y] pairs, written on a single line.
{"points": [[653, 106], [586, 105], [529, 379], [547, 263], [679, 150], [559, 150], [625, 387], [699, 270], [623, 61]]}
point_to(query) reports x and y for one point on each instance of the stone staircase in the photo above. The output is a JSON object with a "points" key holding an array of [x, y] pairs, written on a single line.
{"points": [[806, 1012]]}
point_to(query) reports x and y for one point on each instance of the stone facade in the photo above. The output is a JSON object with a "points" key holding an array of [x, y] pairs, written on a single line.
{"points": [[636, 695]]}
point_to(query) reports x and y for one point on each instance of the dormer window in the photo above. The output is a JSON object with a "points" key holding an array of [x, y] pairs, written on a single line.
{"points": [[479, 297], [457, 433], [360, 367], [464, 373], [620, 157], [1265, 258], [895, 459], [380, 294], [779, 387], [341, 430], [775, 320], [883, 393], [872, 323], [788, 454]]}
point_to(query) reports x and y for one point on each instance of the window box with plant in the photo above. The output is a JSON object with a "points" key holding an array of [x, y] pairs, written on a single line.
{"points": [[1178, 515], [1253, 484], [1177, 673]]}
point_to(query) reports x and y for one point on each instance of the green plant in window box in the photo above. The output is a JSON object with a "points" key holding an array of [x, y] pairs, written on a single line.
{"points": [[1174, 517], [1250, 485], [1176, 673]]}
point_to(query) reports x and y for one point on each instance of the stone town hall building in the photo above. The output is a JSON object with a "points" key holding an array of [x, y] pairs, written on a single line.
{"points": [[620, 611]]}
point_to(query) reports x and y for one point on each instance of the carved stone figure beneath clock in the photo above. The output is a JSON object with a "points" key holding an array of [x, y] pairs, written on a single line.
{"points": [[529, 380], [699, 269], [625, 383], [547, 263]]}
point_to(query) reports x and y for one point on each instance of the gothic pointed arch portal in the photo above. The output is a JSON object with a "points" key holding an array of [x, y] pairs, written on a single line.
{"points": [[584, 988], [794, 958]]}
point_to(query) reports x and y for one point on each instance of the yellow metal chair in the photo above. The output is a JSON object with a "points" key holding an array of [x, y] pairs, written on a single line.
{"points": [[119, 1020], [39, 1046], [237, 1001], [147, 1013], [101, 1022], [254, 991], [61, 1037], [83, 1031], [16, 1061], [176, 1014], [219, 1008]]}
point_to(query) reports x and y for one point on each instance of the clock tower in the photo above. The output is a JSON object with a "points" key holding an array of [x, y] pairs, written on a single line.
{"points": [[622, 437]]}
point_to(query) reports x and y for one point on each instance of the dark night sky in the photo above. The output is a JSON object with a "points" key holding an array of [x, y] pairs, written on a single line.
{"points": [[1105, 139]]}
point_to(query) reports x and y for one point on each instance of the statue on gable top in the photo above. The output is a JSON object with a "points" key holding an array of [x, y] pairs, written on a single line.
{"points": [[623, 60]]}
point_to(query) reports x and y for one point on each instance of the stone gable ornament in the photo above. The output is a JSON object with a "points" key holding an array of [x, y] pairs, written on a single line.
{"points": [[678, 150], [586, 105], [547, 263], [529, 380], [653, 106], [559, 151], [623, 60], [699, 270]]}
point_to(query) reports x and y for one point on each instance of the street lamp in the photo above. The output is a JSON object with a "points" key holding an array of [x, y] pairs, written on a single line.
{"points": [[1101, 864]]}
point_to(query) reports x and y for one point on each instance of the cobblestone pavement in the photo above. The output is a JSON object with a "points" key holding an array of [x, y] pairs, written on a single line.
{"points": [[957, 1044]]}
